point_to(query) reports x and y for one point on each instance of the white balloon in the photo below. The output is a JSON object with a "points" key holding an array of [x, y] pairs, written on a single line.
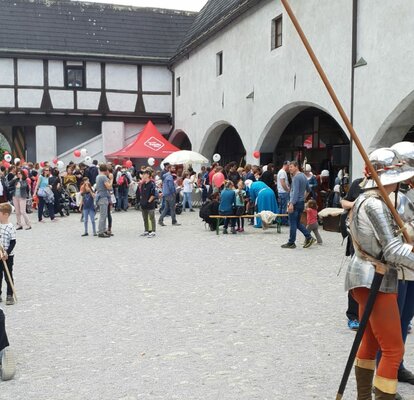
{"points": [[151, 161], [16, 160], [60, 164], [216, 157], [8, 157], [88, 160], [84, 152]]}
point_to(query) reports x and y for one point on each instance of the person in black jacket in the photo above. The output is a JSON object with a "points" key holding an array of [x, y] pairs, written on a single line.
{"points": [[347, 203], [147, 202]]}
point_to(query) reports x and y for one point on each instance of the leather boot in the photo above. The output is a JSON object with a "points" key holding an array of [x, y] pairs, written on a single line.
{"points": [[383, 396], [364, 379]]}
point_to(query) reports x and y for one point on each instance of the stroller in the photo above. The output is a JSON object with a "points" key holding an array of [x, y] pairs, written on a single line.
{"points": [[63, 205]]}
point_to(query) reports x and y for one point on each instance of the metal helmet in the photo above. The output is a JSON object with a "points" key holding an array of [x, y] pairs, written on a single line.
{"points": [[406, 151], [389, 166]]}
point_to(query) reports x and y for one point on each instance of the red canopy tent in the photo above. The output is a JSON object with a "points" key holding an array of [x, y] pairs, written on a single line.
{"points": [[149, 143]]}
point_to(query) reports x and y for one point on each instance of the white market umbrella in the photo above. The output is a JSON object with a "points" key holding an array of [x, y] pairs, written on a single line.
{"points": [[185, 157]]}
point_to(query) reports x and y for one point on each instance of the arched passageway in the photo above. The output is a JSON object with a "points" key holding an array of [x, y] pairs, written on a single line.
{"points": [[180, 139], [398, 126], [223, 138], [305, 132]]}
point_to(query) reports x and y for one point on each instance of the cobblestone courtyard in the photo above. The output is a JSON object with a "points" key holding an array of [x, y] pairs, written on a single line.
{"points": [[186, 315]]}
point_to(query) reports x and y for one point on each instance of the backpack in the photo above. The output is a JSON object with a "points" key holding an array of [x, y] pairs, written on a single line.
{"points": [[123, 181]]}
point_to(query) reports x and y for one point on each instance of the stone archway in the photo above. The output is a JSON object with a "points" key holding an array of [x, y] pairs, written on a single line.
{"points": [[180, 139], [304, 130], [4, 140], [224, 139], [397, 126]]}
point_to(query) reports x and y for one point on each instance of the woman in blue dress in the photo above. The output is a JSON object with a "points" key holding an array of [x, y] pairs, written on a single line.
{"points": [[263, 198]]}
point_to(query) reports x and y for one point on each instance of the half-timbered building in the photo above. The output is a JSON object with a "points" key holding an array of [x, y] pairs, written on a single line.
{"points": [[84, 75]]}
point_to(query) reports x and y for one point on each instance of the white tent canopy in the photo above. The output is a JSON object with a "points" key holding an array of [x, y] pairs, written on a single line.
{"points": [[185, 157]]}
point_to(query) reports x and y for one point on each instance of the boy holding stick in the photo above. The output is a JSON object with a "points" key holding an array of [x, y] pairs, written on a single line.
{"points": [[7, 244]]}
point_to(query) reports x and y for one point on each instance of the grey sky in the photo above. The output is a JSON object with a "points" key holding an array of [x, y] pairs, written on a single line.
{"points": [[191, 5]]}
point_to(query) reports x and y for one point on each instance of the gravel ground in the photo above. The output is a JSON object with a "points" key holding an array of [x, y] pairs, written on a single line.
{"points": [[186, 315]]}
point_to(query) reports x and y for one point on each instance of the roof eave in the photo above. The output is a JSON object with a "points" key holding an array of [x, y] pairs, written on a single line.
{"points": [[82, 56]]}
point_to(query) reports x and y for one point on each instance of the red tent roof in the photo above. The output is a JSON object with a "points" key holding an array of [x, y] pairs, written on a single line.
{"points": [[149, 143]]}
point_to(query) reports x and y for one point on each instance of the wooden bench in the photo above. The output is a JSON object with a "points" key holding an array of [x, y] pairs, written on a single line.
{"points": [[222, 217]]}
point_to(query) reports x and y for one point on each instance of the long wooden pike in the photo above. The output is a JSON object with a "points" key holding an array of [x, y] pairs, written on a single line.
{"points": [[379, 273]]}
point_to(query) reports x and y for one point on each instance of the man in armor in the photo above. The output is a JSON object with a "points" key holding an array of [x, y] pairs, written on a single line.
{"points": [[379, 244], [406, 281]]}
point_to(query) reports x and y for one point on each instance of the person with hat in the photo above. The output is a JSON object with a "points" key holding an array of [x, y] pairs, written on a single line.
{"points": [[406, 280], [312, 182], [379, 243], [323, 190]]}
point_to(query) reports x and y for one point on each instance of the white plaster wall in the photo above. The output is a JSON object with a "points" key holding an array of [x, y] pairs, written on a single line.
{"points": [[6, 71], [30, 72], [93, 75], [62, 99], [156, 79], [122, 101], [113, 136], [56, 77], [385, 38], [88, 100], [46, 143], [121, 77], [30, 98], [7, 98], [131, 132], [249, 64], [157, 103]]}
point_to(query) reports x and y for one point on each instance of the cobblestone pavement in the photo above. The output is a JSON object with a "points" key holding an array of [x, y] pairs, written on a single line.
{"points": [[186, 315]]}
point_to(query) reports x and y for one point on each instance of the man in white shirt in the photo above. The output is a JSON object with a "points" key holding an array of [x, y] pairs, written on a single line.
{"points": [[283, 190]]}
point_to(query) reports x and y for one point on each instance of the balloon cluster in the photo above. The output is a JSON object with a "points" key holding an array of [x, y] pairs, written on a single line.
{"points": [[83, 153]]}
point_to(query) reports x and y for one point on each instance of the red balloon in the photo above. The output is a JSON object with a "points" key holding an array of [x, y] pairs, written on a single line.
{"points": [[256, 154], [116, 161], [42, 164], [128, 163], [77, 153], [6, 164], [6, 152], [156, 163], [55, 161]]}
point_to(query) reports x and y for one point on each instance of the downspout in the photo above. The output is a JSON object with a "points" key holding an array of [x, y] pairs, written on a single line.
{"points": [[354, 61], [173, 103]]}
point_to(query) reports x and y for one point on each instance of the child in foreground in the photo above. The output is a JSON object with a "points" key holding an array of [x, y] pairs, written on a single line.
{"points": [[8, 241]]}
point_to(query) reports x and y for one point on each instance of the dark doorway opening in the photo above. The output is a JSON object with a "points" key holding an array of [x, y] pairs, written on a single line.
{"points": [[230, 147], [315, 136]]}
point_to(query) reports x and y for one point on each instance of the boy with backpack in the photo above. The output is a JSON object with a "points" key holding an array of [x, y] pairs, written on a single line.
{"points": [[123, 182]]}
